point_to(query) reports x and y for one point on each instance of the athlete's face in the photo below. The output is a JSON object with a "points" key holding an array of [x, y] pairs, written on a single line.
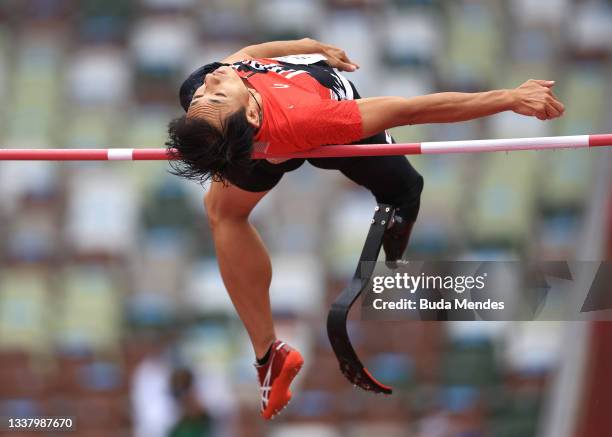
{"points": [[222, 94]]}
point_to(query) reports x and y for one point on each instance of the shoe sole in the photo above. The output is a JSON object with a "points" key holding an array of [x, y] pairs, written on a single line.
{"points": [[279, 398]]}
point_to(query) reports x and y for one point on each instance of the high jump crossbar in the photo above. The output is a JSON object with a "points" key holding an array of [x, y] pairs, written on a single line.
{"points": [[426, 148]]}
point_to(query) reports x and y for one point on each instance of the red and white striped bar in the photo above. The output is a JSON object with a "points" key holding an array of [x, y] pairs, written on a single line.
{"points": [[85, 155], [448, 147], [430, 148]]}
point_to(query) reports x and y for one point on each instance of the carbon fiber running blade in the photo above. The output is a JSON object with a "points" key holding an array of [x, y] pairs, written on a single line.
{"points": [[350, 364]]}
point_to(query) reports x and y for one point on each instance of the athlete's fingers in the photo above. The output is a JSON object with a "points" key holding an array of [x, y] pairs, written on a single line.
{"points": [[558, 105], [546, 83], [343, 61], [338, 58], [346, 66], [344, 58], [552, 111], [541, 115], [340, 64]]}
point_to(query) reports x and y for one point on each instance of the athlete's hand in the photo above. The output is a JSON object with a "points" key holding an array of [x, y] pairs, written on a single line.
{"points": [[535, 98], [336, 57]]}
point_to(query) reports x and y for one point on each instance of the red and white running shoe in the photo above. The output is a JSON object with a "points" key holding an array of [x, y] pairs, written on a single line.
{"points": [[275, 378]]}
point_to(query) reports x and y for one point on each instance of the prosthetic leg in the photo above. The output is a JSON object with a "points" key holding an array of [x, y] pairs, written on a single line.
{"points": [[350, 365]]}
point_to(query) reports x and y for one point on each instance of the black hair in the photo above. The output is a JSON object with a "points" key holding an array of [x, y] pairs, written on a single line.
{"points": [[207, 153]]}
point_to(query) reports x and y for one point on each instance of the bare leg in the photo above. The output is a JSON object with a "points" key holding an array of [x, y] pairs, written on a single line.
{"points": [[243, 260]]}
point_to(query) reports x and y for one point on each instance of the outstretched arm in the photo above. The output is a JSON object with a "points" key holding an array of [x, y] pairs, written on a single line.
{"points": [[335, 56], [533, 98]]}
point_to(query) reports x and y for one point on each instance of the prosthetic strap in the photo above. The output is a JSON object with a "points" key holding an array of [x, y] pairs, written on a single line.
{"points": [[350, 365]]}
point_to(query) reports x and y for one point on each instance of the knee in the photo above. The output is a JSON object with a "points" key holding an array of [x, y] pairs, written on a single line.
{"points": [[213, 211], [408, 200], [419, 184], [410, 190], [217, 213]]}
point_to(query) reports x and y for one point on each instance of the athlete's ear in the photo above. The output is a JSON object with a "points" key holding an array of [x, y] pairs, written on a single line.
{"points": [[252, 114]]}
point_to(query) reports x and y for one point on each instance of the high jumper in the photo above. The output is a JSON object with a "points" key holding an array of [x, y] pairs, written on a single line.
{"points": [[291, 96]]}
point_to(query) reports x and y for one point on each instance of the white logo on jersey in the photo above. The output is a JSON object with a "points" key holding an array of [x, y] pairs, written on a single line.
{"points": [[302, 59], [280, 85]]}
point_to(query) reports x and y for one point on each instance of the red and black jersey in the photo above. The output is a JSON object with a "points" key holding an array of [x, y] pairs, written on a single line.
{"points": [[306, 103]]}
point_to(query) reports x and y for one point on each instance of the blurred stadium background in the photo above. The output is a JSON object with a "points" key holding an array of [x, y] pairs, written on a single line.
{"points": [[109, 289]]}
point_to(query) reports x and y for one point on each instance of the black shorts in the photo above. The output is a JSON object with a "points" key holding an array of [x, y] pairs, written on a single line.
{"points": [[391, 179]]}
